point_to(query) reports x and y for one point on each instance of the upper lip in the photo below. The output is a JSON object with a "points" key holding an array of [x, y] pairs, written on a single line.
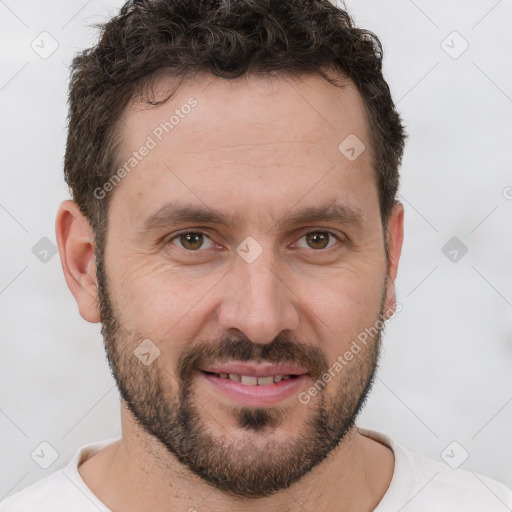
{"points": [[255, 370]]}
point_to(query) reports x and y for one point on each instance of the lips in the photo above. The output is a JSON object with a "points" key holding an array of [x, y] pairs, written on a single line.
{"points": [[255, 384]]}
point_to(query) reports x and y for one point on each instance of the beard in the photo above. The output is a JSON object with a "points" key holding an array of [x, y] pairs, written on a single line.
{"points": [[254, 465]]}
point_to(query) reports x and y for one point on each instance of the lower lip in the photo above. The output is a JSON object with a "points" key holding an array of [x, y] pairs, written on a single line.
{"points": [[256, 396]]}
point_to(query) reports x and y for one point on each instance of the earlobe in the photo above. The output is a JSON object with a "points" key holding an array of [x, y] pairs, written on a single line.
{"points": [[395, 238], [76, 248]]}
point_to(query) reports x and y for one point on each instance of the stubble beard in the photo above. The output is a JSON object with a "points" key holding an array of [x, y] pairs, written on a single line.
{"points": [[166, 407]]}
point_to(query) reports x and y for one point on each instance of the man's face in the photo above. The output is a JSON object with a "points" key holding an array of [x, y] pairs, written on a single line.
{"points": [[268, 281]]}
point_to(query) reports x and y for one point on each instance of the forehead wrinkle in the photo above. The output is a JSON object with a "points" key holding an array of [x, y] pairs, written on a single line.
{"points": [[247, 146]]}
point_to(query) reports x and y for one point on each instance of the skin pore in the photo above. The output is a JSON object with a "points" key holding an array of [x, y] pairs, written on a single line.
{"points": [[262, 155]]}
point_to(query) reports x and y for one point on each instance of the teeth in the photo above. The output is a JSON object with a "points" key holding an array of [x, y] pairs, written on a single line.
{"points": [[250, 380], [265, 381]]}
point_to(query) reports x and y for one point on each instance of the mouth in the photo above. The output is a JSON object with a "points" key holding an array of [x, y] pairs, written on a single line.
{"points": [[252, 380], [255, 385]]}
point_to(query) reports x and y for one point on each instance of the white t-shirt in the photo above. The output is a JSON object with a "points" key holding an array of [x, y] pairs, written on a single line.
{"points": [[419, 484]]}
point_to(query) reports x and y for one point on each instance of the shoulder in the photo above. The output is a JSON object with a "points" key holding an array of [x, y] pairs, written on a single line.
{"points": [[465, 490], [422, 484], [50, 493], [62, 491]]}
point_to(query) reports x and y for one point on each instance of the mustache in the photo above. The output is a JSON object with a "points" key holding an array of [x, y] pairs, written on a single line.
{"points": [[282, 349]]}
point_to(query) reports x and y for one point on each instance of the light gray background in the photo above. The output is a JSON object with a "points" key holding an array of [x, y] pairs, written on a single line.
{"points": [[445, 373]]}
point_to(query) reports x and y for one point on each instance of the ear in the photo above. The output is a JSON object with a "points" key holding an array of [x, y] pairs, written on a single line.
{"points": [[76, 248], [395, 238]]}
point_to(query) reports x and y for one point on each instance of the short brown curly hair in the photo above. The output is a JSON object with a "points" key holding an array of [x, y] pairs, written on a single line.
{"points": [[228, 39]]}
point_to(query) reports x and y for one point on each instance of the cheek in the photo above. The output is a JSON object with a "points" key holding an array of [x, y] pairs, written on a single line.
{"points": [[344, 305], [155, 297]]}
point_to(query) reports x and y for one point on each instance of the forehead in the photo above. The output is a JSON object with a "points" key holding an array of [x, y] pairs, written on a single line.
{"points": [[269, 137], [261, 105]]}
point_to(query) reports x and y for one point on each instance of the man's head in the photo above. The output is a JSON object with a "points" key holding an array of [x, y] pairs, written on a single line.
{"points": [[234, 167], [227, 39]]}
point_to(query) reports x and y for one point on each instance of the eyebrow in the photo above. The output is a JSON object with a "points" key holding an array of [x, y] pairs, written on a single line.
{"points": [[334, 212], [173, 213]]}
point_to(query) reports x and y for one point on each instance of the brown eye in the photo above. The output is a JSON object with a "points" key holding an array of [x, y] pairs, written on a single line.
{"points": [[318, 240], [191, 240]]}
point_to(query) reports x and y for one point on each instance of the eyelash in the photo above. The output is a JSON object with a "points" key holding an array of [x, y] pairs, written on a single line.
{"points": [[182, 233]]}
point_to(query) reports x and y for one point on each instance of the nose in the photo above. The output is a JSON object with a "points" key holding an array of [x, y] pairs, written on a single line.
{"points": [[258, 301]]}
